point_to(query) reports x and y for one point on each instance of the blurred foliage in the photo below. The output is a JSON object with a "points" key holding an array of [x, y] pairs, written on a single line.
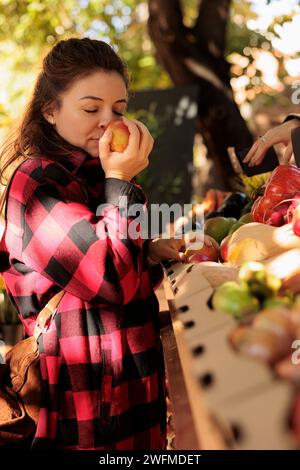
{"points": [[29, 28], [263, 54], [262, 66]]}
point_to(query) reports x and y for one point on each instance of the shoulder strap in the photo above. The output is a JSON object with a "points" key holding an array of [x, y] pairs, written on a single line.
{"points": [[3, 196], [47, 314]]}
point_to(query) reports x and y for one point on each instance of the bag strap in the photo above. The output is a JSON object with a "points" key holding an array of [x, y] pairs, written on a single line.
{"points": [[3, 196], [47, 314]]}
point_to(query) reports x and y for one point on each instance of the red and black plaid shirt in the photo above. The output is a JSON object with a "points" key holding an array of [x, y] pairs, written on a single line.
{"points": [[101, 359]]}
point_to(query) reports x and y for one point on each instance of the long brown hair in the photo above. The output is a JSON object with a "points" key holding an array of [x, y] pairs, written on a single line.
{"points": [[67, 61]]}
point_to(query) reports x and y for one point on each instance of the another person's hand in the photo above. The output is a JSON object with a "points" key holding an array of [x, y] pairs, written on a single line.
{"points": [[161, 249], [134, 159], [277, 135]]}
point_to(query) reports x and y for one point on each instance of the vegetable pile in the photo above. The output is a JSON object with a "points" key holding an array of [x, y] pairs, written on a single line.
{"points": [[281, 197]]}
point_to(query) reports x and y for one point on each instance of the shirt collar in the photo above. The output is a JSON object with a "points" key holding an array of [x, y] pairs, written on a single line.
{"points": [[74, 161]]}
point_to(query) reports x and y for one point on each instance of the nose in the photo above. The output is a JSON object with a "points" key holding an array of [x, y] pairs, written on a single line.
{"points": [[106, 119]]}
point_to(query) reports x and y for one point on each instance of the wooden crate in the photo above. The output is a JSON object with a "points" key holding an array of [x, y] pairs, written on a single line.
{"points": [[235, 401]]}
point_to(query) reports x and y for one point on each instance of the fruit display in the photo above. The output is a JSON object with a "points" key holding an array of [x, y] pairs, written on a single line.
{"points": [[258, 242], [234, 299], [241, 349], [268, 317], [268, 333], [259, 237], [217, 227], [248, 295]]}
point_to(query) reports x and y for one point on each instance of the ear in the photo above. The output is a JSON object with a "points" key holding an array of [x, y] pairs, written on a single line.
{"points": [[49, 113]]}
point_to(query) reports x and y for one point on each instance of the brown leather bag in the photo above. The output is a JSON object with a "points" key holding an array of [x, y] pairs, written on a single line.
{"points": [[20, 381], [20, 376]]}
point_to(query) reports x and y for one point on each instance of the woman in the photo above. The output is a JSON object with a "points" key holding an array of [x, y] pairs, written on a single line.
{"points": [[101, 359]]}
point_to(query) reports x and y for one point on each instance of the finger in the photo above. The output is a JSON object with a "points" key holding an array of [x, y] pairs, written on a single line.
{"points": [[141, 126], [260, 153], [134, 137], [287, 153], [170, 252], [150, 147], [271, 138], [182, 257], [176, 255], [104, 144], [251, 152], [258, 156], [257, 160]]}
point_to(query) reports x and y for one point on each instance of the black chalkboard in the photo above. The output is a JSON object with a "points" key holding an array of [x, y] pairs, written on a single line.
{"points": [[171, 117]]}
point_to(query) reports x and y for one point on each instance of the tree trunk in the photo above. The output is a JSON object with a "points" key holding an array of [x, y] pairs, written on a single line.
{"points": [[196, 55]]}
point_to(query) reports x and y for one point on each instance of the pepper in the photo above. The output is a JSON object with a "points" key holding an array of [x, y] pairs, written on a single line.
{"points": [[279, 196]]}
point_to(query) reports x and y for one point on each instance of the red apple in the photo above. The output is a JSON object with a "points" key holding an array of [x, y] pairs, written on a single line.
{"points": [[208, 252], [120, 136]]}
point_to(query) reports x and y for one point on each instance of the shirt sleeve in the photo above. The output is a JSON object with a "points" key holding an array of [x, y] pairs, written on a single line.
{"points": [[156, 273], [295, 137], [95, 257], [292, 116]]}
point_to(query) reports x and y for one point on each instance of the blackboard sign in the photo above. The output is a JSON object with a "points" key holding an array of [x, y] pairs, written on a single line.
{"points": [[171, 117]]}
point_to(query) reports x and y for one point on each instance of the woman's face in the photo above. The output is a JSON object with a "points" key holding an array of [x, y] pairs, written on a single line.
{"points": [[88, 107]]}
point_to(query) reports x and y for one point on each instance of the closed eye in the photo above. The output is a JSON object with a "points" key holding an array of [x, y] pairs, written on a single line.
{"points": [[95, 110]]}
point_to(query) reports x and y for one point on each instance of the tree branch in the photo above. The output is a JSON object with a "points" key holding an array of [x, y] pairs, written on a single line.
{"points": [[211, 25], [189, 59]]}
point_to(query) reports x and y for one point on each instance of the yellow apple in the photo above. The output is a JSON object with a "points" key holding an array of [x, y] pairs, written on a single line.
{"points": [[120, 136]]}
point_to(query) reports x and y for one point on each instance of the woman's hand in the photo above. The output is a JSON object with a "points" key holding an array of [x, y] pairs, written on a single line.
{"points": [[134, 159], [172, 248], [278, 135], [163, 249]]}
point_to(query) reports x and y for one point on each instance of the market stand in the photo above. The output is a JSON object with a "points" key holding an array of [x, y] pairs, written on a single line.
{"points": [[220, 400]]}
